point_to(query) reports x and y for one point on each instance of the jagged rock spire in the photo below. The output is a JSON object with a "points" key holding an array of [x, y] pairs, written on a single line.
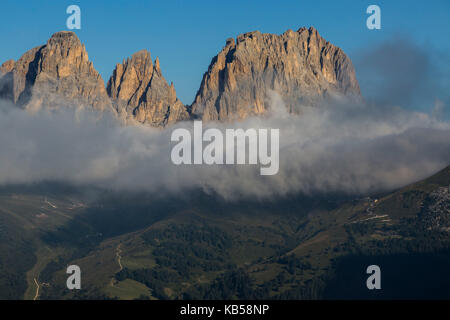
{"points": [[141, 93]]}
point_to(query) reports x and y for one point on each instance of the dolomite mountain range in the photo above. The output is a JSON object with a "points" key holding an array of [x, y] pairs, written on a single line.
{"points": [[302, 67]]}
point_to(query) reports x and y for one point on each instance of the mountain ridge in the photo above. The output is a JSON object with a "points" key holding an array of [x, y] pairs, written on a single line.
{"points": [[301, 66]]}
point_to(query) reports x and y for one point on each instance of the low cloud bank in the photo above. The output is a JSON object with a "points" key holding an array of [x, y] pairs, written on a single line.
{"points": [[339, 147], [335, 148]]}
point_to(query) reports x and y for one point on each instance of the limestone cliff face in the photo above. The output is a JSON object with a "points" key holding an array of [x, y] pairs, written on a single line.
{"points": [[55, 74], [141, 93], [301, 66]]}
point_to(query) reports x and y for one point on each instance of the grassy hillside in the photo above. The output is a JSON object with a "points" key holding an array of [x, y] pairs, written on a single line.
{"points": [[200, 247], [25, 216]]}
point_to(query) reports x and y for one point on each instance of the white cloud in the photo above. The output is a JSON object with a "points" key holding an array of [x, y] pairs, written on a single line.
{"points": [[333, 148]]}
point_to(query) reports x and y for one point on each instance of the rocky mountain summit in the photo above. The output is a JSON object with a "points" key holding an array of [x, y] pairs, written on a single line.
{"points": [[54, 74], [302, 67], [141, 93]]}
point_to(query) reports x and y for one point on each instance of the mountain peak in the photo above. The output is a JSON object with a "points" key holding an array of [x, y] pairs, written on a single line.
{"points": [[301, 66], [56, 73], [140, 92], [64, 38], [141, 54]]}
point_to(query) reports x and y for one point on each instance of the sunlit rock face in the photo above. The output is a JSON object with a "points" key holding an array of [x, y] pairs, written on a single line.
{"points": [[301, 66], [55, 74], [140, 92]]}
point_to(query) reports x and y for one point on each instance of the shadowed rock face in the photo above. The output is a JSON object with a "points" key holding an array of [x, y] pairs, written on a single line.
{"points": [[141, 93], [55, 74], [301, 66]]}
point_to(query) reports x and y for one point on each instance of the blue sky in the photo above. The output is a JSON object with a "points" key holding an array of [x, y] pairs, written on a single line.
{"points": [[187, 34]]}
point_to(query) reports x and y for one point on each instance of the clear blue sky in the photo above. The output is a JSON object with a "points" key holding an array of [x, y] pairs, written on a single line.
{"points": [[187, 34]]}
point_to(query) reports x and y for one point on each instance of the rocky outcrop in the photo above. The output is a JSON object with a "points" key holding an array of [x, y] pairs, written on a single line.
{"points": [[55, 74], [141, 93], [300, 66], [6, 80], [7, 67]]}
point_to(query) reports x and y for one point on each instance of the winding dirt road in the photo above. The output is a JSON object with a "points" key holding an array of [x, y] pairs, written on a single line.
{"points": [[37, 289], [119, 257]]}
